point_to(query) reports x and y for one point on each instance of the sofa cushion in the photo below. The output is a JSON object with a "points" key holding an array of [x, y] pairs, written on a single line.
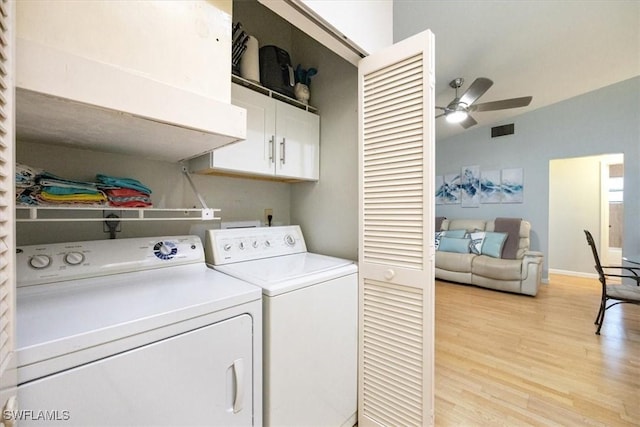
{"points": [[464, 224], [450, 244], [452, 261], [497, 268], [493, 243]]}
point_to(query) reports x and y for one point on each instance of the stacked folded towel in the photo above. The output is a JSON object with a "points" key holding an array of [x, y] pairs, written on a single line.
{"points": [[125, 192], [37, 187], [55, 190], [25, 178]]}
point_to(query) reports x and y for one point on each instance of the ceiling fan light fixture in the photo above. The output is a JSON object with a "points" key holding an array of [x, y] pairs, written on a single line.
{"points": [[456, 116]]}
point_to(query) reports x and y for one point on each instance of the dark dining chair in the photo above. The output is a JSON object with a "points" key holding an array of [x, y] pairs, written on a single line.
{"points": [[618, 293]]}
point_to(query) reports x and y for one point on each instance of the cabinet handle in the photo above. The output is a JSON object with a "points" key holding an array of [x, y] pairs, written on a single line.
{"points": [[272, 149], [238, 376], [282, 151]]}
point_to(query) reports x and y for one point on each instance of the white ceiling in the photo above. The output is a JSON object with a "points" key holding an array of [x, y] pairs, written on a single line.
{"points": [[551, 50]]}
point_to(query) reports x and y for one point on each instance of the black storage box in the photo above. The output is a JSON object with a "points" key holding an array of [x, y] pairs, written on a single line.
{"points": [[276, 72]]}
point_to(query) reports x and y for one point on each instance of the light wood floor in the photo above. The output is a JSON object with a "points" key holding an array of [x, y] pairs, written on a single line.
{"points": [[512, 360]]}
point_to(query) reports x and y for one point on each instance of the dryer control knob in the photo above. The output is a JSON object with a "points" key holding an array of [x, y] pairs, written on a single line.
{"points": [[74, 258], [254, 243], [40, 261], [241, 246], [227, 247]]}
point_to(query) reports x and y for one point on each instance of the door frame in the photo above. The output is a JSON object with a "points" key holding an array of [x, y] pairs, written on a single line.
{"points": [[611, 256]]}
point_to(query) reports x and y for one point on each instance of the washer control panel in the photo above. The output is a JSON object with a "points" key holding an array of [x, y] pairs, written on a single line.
{"points": [[245, 244], [56, 262]]}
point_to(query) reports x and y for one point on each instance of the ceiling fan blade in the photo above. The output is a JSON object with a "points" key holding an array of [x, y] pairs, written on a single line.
{"points": [[468, 122], [475, 91], [502, 104]]}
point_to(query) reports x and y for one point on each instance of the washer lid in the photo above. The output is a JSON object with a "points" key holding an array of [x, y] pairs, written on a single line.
{"points": [[65, 317], [282, 274]]}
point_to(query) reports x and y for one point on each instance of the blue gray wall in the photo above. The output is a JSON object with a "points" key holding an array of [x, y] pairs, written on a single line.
{"points": [[603, 121]]}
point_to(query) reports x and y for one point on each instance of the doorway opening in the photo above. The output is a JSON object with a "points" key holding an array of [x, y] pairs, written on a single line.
{"points": [[585, 193]]}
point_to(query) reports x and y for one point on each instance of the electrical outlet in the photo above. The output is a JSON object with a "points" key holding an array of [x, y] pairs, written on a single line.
{"points": [[267, 212]]}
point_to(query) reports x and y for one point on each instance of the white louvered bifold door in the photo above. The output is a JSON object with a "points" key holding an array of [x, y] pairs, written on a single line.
{"points": [[7, 206], [396, 243]]}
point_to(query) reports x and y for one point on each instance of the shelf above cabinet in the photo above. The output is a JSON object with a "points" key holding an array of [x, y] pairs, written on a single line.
{"points": [[98, 214], [272, 94]]}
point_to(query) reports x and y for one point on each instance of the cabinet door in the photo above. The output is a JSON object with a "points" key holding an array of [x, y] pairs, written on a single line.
{"points": [[297, 143], [255, 155], [202, 377]]}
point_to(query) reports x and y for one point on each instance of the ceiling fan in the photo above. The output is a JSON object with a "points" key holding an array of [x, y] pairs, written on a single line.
{"points": [[458, 110]]}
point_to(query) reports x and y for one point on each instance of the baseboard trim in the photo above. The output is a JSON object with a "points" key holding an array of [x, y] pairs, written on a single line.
{"points": [[573, 273]]}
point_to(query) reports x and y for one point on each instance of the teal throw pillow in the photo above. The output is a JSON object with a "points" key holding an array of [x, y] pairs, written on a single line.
{"points": [[456, 234], [493, 243], [451, 244]]}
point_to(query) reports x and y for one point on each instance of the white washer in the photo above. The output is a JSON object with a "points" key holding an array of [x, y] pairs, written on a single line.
{"points": [[309, 323], [135, 332]]}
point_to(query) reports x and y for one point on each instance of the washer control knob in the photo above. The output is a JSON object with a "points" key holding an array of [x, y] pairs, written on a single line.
{"points": [[254, 243], [74, 258], [267, 243], [241, 246], [227, 247], [290, 240], [40, 261]]}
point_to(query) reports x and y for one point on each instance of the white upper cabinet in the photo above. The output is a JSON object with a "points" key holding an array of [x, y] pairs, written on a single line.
{"points": [[283, 141], [149, 78], [351, 28]]}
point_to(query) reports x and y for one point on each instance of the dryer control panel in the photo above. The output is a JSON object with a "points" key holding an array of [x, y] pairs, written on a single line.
{"points": [[54, 262], [245, 244]]}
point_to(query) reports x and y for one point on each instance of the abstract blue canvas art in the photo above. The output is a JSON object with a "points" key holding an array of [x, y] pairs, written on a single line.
{"points": [[449, 191], [490, 189], [470, 186], [512, 185]]}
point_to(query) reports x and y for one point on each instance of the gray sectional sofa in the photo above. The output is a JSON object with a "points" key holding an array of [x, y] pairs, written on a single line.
{"points": [[495, 258]]}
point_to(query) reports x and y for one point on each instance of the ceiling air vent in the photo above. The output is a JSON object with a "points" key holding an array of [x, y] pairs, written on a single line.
{"points": [[502, 130]]}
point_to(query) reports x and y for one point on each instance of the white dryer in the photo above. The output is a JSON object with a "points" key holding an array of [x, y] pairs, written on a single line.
{"points": [[135, 332], [310, 325]]}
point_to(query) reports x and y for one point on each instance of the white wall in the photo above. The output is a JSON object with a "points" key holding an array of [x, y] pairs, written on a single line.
{"points": [[603, 121], [328, 210], [239, 199], [368, 24]]}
